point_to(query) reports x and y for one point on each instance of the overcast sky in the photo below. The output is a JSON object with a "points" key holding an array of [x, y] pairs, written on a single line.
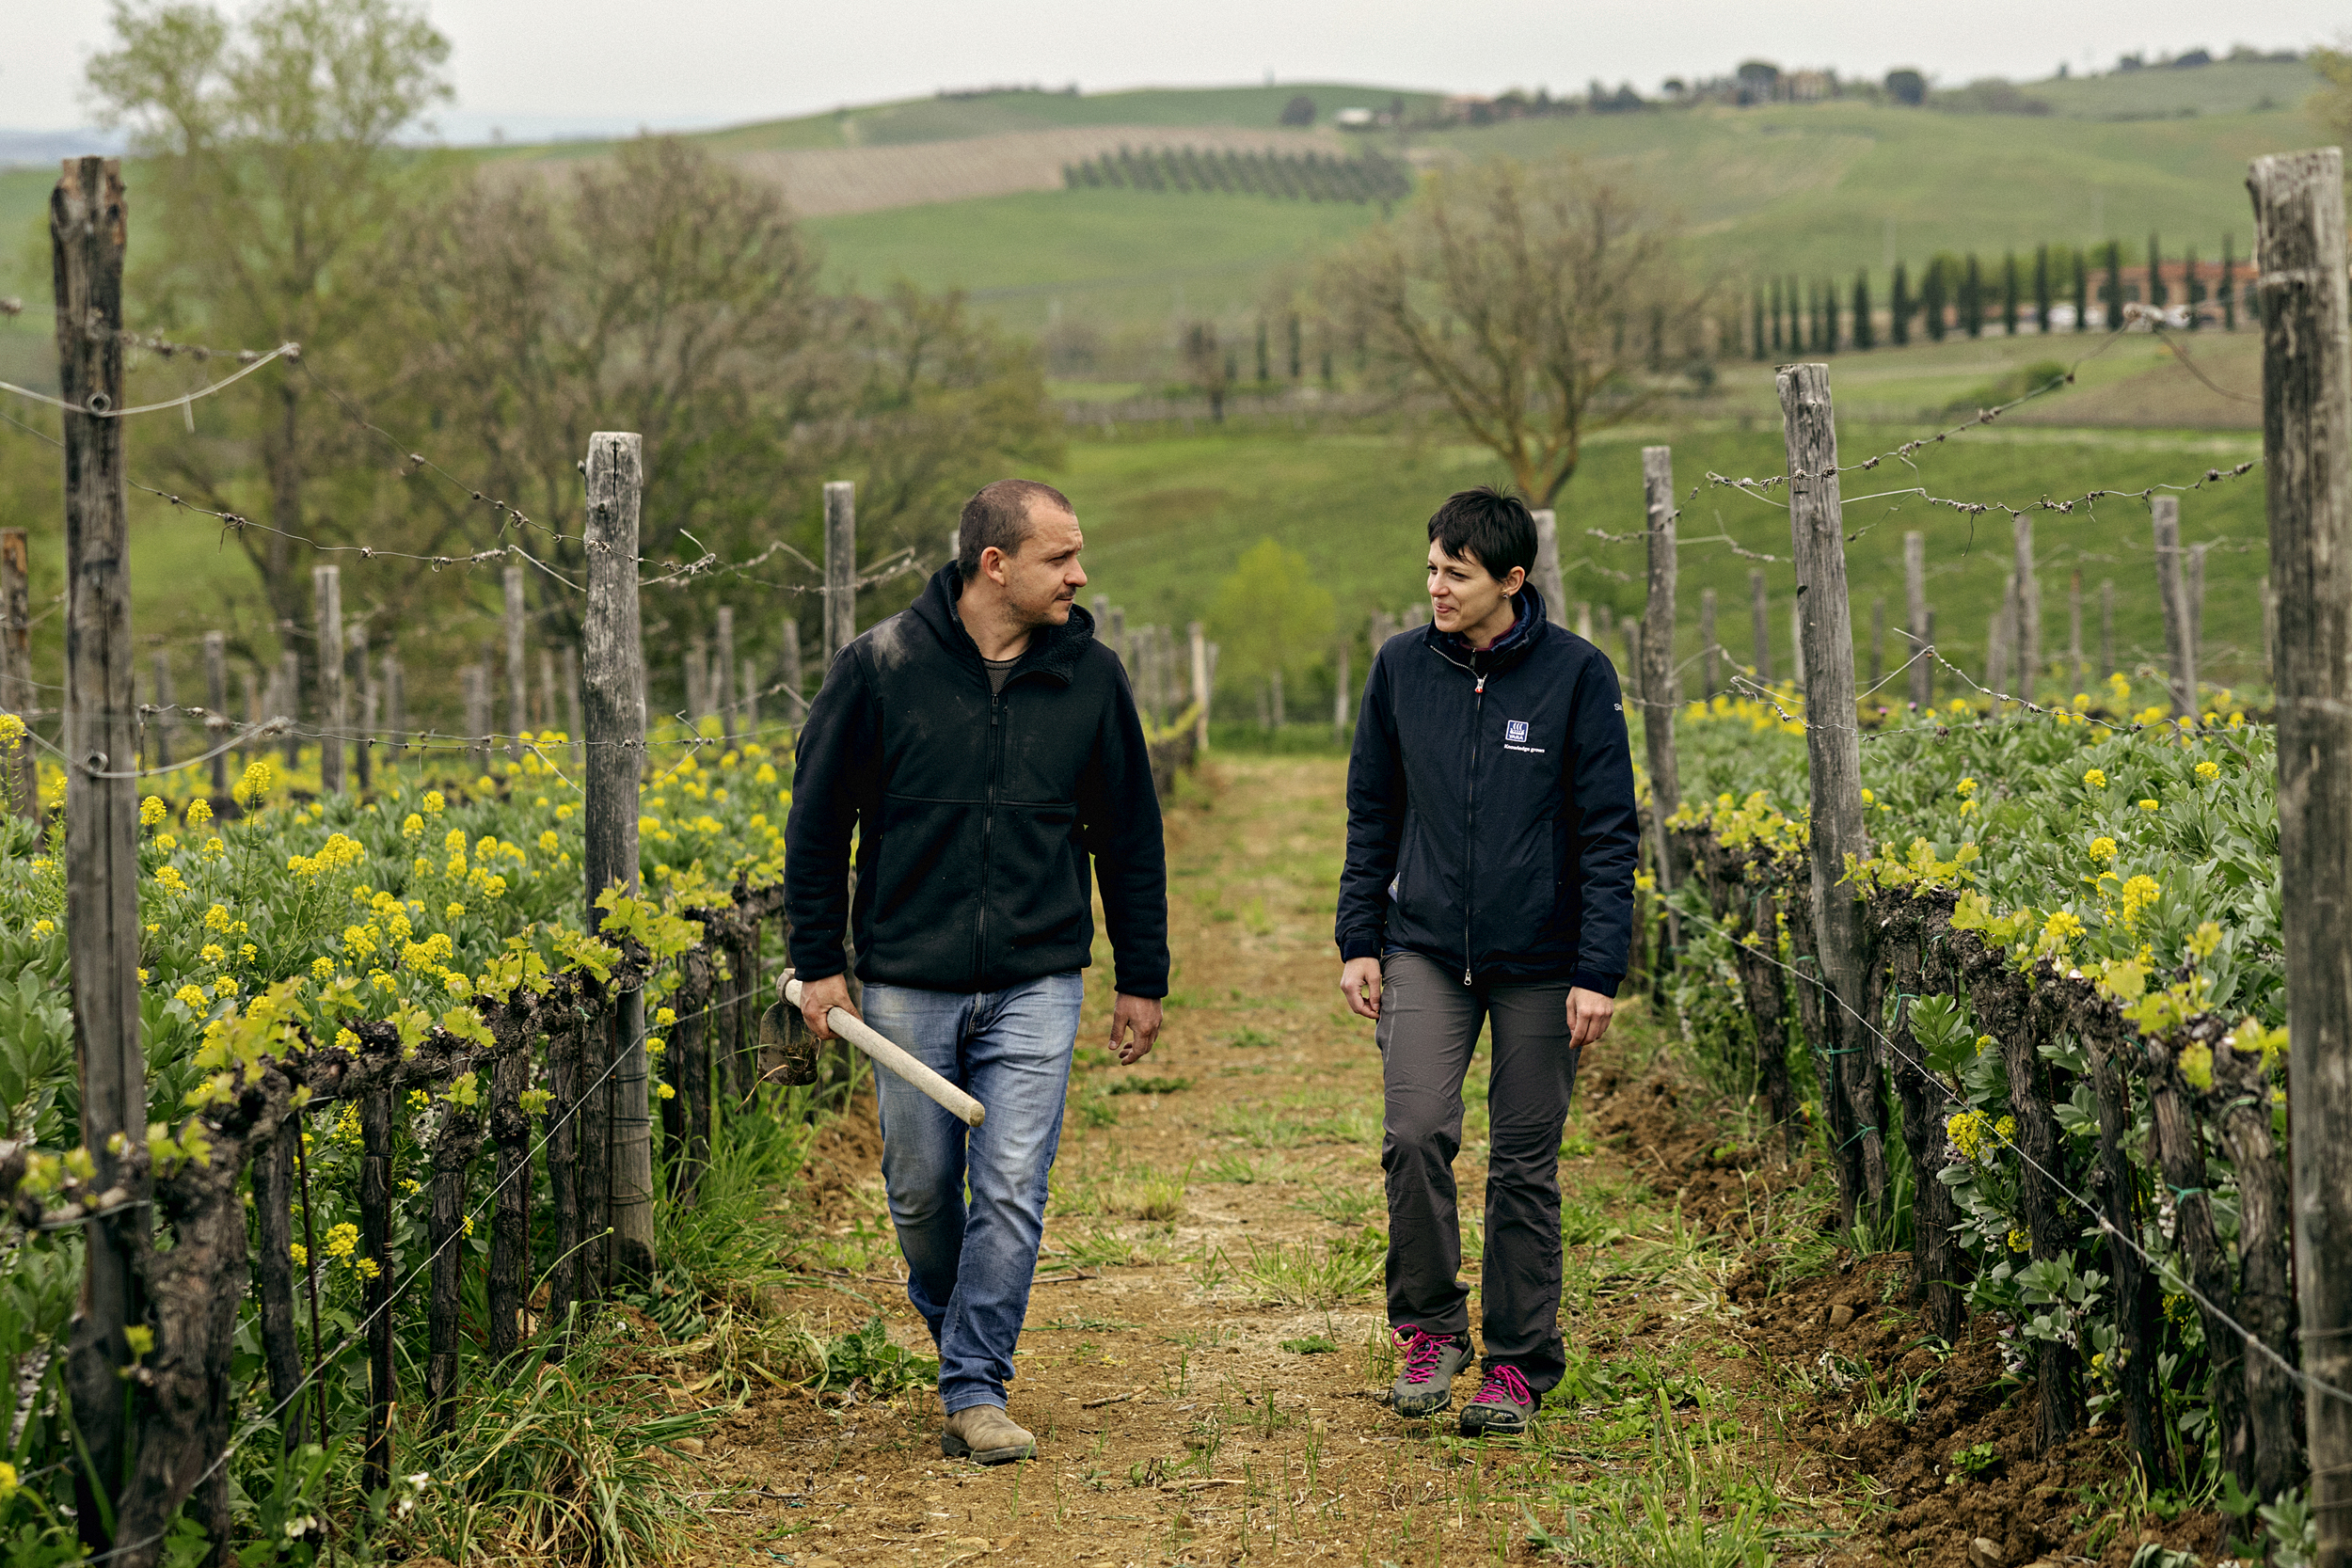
{"points": [[537, 67]]}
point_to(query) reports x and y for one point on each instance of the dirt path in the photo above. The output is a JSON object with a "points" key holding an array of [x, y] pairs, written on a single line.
{"points": [[1205, 1341]]}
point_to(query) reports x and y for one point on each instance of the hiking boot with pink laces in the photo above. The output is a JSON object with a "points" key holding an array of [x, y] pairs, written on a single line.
{"points": [[1426, 1384], [1504, 1406]]}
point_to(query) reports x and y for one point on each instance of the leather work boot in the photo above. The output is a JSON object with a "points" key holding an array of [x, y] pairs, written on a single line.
{"points": [[984, 1434]]}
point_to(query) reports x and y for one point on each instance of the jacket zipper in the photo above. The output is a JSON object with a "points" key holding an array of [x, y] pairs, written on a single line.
{"points": [[988, 833], [1470, 837]]}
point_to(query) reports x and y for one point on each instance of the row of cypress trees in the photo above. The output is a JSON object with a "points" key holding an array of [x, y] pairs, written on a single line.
{"points": [[1958, 294]]}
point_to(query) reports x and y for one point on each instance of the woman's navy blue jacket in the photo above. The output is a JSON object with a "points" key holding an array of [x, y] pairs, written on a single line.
{"points": [[1491, 824]]}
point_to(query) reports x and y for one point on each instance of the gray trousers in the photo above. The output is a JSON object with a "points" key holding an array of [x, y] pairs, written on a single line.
{"points": [[1429, 1021]]}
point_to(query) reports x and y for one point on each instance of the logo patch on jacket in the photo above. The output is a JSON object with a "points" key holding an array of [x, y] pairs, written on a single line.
{"points": [[1514, 731]]}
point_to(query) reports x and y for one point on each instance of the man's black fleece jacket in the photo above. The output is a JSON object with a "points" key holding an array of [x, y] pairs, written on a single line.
{"points": [[1491, 822], [975, 814]]}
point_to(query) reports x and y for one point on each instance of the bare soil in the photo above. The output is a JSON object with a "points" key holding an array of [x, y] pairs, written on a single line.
{"points": [[1173, 1363]]}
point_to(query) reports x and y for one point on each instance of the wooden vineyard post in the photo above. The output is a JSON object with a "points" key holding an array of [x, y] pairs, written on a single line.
{"points": [[88, 224], [478, 720], [840, 566], [2028, 608], [722, 686], [364, 719], [1198, 644], [616, 747], [1548, 581], [216, 722], [375, 1294], [2120, 1202], [2075, 633], [450, 1153], [1659, 697], [1706, 643], [273, 1277], [2174, 595], [290, 698], [18, 770], [328, 621], [508, 1285], [1916, 601], [167, 722], [517, 670], [1761, 624], [564, 1139], [2107, 626], [789, 669], [2307, 444], [1342, 710], [1833, 753]]}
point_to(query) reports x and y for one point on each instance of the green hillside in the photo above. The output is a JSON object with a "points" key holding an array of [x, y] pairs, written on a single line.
{"points": [[2224, 87]]}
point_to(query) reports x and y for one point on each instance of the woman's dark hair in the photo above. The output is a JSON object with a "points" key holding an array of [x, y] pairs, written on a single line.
{"points": [[1488, 526]]}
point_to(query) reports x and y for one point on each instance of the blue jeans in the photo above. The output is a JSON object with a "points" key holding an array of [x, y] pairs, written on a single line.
{"points": [[970, 1261]]}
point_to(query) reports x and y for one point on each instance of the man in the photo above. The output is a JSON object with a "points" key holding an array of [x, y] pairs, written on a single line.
{"points": [[1489, 878], [984, 748]]}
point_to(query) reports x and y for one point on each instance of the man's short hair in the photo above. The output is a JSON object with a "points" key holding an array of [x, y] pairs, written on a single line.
{"points": [[997, 517], [1488, 526]]}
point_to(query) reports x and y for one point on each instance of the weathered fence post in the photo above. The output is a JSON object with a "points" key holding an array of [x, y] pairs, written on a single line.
{"points": [[2166, 511], [363, 741], [395, 704], [1548, 581], [1922, 641], [1833, 753], [517, 677], [2000, 639], [326, 587], [477, 720], [509, 1285], [788, 672], [724, 687], [1761, 625], [289, 695], [1198, 648], [22, 774], [1659, 697], [217, 722], [2306, 439], [2107, 626], [1706, 643], [617, 745], [840, 566], [375, 1294], [2074, 632], [2029, 610], [88, 225], [166, 725], [1877, 640]]}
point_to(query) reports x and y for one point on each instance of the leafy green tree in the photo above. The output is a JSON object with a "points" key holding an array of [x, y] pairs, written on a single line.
{"points": [[1899, 306], [1507, 289], [1270, 614], [2331, 105], [1864, 330], [2227, 289], [2112, 294], [2192, 287], [1776, 318], [277, 184], [1757, 329], [1829, 317], [2008, 294], [2082, 291], [2041, 288], [1972, 297], [2158, 295], [1907, 87]]}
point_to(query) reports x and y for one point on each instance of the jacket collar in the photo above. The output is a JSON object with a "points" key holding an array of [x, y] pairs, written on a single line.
{"points": [[1053, 651], [1529, 626]]}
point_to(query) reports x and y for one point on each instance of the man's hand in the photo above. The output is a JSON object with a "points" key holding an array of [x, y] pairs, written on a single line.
{"points": [[1138, 1017], [1589, 1013], [1359, 982], [819, 996]]}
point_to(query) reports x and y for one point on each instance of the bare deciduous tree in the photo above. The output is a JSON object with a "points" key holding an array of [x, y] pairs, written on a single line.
{"points": [[1528, 297]]}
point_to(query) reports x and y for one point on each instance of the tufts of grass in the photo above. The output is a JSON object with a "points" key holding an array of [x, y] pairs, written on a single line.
{"points": [[1150, 1197], [569, 1462], [1313, 1344], [1351, 1207], [1242, 1170], [1252, 1039], [1312, 1274], [1150, 1085]]}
